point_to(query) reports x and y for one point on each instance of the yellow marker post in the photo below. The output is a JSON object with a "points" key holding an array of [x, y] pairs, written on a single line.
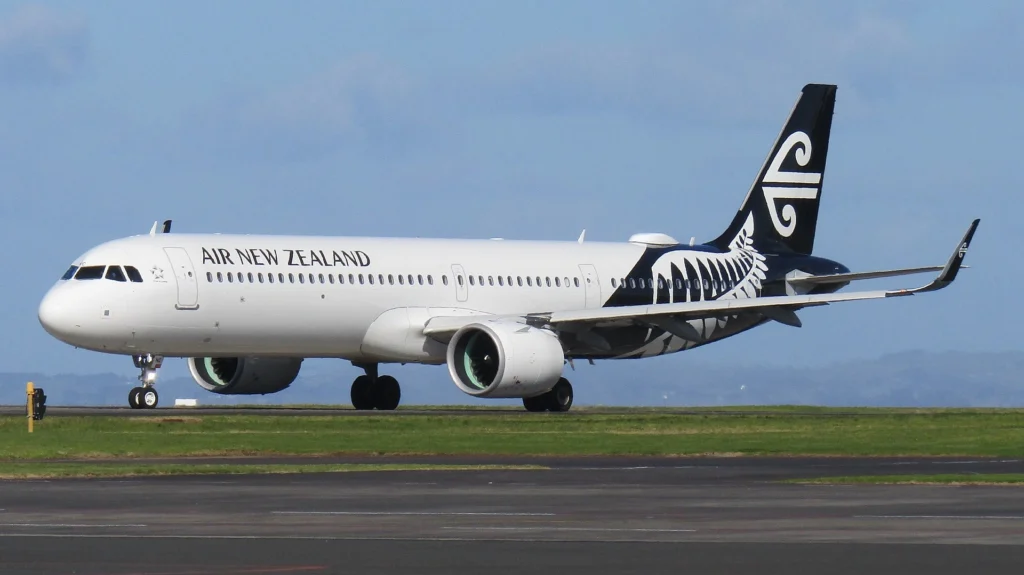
{"points": [[30, 389]]}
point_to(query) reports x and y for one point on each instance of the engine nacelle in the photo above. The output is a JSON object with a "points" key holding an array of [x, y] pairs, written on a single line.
{"points": [[244, 375], [504, 359]]}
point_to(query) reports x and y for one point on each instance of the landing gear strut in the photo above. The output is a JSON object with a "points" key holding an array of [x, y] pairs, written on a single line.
{"points": [[373, 391], [558, 398], [145, 396]]}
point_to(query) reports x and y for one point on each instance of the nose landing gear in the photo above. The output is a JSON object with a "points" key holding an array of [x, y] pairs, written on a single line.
{"points": [[145, 396]]}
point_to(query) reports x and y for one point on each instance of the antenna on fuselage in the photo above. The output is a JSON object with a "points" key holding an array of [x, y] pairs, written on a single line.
{"points": [[152, 230]]}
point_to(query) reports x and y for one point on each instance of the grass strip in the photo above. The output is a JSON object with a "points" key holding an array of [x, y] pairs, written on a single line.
{"points": [[85, 470], [941, 479], [975, 433]]}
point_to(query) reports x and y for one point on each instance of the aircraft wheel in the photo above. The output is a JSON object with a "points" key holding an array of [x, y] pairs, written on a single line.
{"points": [[133, 397], [387, 393], [536, 403], [362, 388], [560, 396], [148, 398]]}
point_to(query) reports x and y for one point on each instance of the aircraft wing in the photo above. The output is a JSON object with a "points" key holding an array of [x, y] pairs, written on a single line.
{"points": [[776, 307], [854, 276]]}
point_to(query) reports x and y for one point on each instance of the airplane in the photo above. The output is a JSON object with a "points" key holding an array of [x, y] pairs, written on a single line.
{"points": [[505, 316]]}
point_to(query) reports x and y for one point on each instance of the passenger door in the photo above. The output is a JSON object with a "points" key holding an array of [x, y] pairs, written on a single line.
{"points": [[459, 279], [184, 275], [591, 285]]}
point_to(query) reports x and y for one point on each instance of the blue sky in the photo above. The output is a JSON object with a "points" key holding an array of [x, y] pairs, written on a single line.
{"points": [[519, 120]]}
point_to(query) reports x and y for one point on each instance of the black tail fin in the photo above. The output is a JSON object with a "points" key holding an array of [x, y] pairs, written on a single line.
{"points": [[783, 201]]}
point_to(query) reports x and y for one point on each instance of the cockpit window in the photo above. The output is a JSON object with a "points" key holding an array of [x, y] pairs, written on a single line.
{"points": [[115, 273], [133, 274], [90, 273], [70, 273]]}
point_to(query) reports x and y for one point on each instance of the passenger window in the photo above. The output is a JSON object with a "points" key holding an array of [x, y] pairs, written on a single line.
{"points": [[291, 278], [90, 273], [632, 283], [331, 278], [220, 277], [444, 279], [381, 278], [115, 273], [430, 279], [558, 282], [529, 281], [280, 278], [370, 278], [576, 281], [351, 279], [471, 280], [419, 279], [312, 279], [260, 276], [538, 281], [401, 280], [321, 278], [270, 278], [566, 282], [391, 279], [547, 281], [501, 281], [490, 280], [70, 273], [614, 282], [241, 278], [231, 277], [133, 274], [519, 280], [480, 280], [250, 277], [209, 277]]}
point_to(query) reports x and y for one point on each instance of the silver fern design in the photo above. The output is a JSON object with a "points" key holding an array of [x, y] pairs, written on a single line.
{"points": [[700, 276]]}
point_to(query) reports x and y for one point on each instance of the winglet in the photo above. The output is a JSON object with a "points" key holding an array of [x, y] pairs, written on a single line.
{"points": [[152, 230], [948, 273], [580, 241]]}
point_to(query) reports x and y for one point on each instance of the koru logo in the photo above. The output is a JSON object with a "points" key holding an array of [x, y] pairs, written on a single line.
{"points": [[798, 182]]}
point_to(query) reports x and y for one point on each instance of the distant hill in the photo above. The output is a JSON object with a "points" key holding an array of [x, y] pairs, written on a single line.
{"points": [[908, 379]]}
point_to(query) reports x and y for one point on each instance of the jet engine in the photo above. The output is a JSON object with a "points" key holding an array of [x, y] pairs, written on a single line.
{"points": [[244, 375], [504, 359]]}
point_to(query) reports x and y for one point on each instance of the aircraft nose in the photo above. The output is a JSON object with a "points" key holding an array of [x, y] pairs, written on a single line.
{"points": [[55, 313]]}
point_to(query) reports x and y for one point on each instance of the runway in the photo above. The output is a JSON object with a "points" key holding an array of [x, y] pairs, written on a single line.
{"points": [[581, 515], [85, 411]]}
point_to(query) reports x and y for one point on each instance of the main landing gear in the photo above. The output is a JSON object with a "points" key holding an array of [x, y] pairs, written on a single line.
{"points": [[145, 396], [372, 391], [558, 398]]}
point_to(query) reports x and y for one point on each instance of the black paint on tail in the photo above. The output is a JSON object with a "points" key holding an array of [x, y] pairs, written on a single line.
{"points": [[783, 200]]}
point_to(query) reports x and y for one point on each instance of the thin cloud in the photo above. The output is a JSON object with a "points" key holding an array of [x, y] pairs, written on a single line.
{"points": [[361, 101], [39, 45], [719, 66]]}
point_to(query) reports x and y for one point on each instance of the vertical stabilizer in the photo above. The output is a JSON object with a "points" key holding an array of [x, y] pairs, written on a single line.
{"points": [[783, 200]]}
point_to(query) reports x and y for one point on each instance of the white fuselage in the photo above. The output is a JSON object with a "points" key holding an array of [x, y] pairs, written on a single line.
{"points": [[362, 299]]}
